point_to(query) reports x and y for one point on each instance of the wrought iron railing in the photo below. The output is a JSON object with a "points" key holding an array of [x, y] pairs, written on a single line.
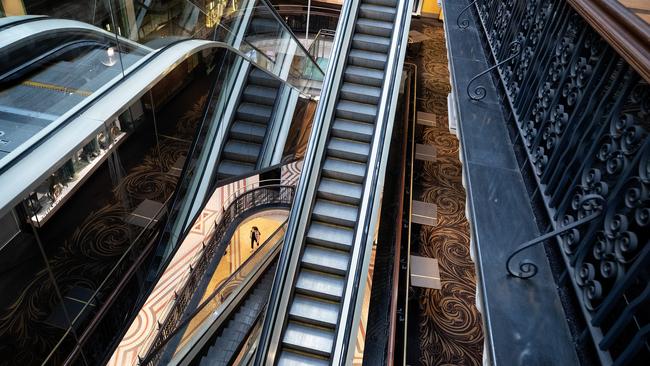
{"points": [[277, 195], [579, 116]]}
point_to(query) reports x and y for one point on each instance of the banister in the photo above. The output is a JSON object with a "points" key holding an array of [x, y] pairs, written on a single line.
{"points": [[622, 29]]}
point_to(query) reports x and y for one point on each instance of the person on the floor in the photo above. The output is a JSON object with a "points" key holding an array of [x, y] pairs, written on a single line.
{"points": [[258, 234], [254, 237]]}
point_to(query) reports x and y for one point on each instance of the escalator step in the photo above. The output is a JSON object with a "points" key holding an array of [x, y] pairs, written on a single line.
{"points": [[374, 27], [339, 191], [369, 59], [348, 149], [289, 358], [378, 12], [260, 94], [318, 284], [259, 77], [309, 338], [315, 311], [370, 43], [356, 111], [325, 260], [344, 170], [332, 236], [242, 151], [361, 93], [363, 75], [248, 131], [353, 130], [258, 113], [230, 168], [335, 213]]}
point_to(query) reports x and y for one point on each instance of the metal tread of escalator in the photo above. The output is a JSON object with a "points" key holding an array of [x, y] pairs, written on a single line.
{"points": [[248, 129], [225, 345], [314, 308]]}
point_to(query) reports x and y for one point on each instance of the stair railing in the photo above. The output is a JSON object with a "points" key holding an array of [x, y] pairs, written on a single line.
{"points": [[250, 270], [235, 206]]}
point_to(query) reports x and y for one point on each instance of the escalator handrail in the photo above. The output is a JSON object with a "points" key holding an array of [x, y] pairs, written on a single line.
{"points": [[96, 97], [45, 55], [302, 203], [379, 151], [82, 107], [153, 352], [20, 20], [66, 25]]}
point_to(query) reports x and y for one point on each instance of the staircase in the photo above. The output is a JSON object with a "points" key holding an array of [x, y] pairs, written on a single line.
{"points": [[227, 344], [247, 132], [315, 305]]}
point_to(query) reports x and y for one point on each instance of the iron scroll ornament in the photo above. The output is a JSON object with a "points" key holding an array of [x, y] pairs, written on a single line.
{"points": [[464, 24], [480, 92], [526, 268]]}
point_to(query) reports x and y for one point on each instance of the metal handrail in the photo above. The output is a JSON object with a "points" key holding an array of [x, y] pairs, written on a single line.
{"points": [[164, 338]]}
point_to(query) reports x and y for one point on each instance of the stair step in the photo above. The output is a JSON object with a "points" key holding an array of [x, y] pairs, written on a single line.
{"points": [[361, 93], [289, 358], [335, 213], [356, 111], [374, 27], [363, 75], [314, 311], [260, 94], [325, 260], [259, 77], [353, 130], [377, 12], [318, 284], [248, 131], [369, 59], [332, 236], [339, 191], [242, 151], [230, 168], [309, 339], [371, 43], [344, 170], [253, 112], [348, 149], [390, 3]]}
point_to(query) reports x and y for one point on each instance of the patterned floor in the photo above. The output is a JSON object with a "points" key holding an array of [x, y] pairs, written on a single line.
{"points": [[446, 324]]}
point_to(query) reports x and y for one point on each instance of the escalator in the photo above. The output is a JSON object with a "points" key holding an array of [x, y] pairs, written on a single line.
{"points": [[246, 133], [315, 306], [223, 348]]}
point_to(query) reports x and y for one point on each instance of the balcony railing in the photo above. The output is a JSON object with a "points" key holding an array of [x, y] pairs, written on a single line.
{"points": [[579, 116], [257, 198]]}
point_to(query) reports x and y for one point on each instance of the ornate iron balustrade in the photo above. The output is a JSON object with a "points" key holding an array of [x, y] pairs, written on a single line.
{"points": [[579, 118], [275, 195]]}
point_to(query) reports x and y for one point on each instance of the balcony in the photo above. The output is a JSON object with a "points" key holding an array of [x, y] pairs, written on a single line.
{"points": [[552, 104]]}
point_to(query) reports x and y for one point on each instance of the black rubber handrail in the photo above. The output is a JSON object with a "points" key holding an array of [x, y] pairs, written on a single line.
{"points": [[22, 21], [85, 107]]}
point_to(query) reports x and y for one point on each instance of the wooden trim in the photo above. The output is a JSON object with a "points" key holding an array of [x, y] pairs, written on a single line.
{"points": [[622, 29]]}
